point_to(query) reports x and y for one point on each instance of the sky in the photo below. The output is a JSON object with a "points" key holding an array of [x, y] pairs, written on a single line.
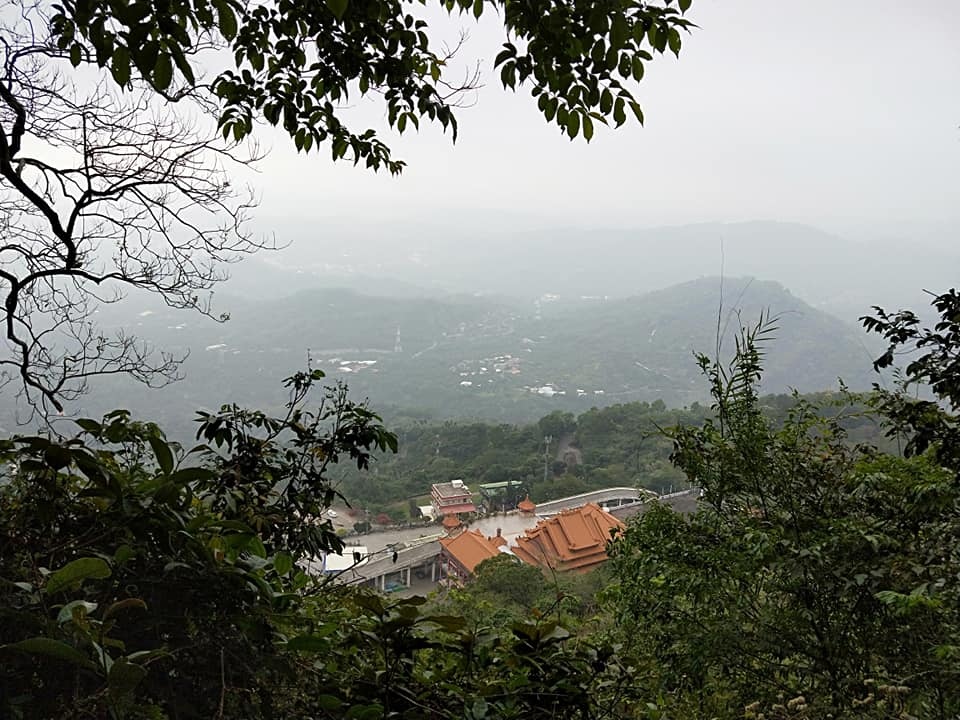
{"points": [[844, 115]]}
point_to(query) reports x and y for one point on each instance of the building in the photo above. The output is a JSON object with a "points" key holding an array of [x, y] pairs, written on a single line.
{"points": [[451, 498], [574, 540], [451, 523], [349, 558], [502, 496], [460, 555]]}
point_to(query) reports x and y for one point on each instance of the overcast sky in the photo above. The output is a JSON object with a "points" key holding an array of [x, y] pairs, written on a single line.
{"points": [[840, 114]]}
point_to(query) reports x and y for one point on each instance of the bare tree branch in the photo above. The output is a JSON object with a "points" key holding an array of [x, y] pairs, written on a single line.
{"points": [[103, 189]]}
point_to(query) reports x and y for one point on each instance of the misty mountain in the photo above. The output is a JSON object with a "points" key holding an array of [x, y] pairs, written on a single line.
{"points": [[476, 357], [827, 271]]}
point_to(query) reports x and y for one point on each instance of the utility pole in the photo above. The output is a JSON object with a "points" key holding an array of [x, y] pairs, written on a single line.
{"points": [[546, 456]]}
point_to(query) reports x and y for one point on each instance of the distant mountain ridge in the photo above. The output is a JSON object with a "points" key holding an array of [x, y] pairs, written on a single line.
{"points": [[476, 357], [827, 271]]}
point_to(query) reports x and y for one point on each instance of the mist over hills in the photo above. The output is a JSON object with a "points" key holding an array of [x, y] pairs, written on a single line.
{"points": [[512, 325], [485, 358], [827, 271]]}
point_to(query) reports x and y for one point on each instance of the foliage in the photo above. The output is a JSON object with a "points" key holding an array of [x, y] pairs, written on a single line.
{"points": [[619, 445], [135, 575], [139, 580], [814, 568], [295, 64], [935, 365], [398, 659]]}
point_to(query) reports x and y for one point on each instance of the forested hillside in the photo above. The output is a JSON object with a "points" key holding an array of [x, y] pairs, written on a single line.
{"points": [[620, 445], [486, 358]]}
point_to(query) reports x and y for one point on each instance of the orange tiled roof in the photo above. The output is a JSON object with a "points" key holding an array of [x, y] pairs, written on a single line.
{"points": [[573, 540], [470, 548], [526, 505], [450, 522]]}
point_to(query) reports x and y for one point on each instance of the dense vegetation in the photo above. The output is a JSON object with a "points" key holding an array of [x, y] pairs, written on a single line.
{"points": [[141, 578], [616, 446], [819, 577]]}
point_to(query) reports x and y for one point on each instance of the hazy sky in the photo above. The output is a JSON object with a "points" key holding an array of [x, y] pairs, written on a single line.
{"points": [[840, 114]]}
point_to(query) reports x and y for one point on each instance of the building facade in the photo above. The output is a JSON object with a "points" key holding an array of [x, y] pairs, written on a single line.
{"points": [[451, 498]]}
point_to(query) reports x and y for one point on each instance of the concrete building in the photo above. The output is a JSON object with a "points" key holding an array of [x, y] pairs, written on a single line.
{"points": [[451, 498]]}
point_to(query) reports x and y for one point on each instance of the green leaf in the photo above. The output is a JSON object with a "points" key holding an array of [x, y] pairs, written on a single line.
{"points": [[329, 703], [673, 38], [125, 604], [120, 67], [52, 648], [315, 642], [57, 457], [477, 8], [254, 546], [606, 101], [74, 573], [163, 71], [76, 54], [337, 7], [75, 610], [637, 111], [163, 453], [91, 426], [282, 563], [124, 677], [587, 128], [122, 554], [618, 31], [184, 476], [450, 623], [573, 124], [619, 116], [551, 109], [226, 20], [684, 5]]}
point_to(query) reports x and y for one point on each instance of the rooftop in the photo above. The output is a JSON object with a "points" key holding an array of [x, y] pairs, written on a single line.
{"points": [[451, 489], [351, 556], [471, 548], [501, 485], [573, 540]]}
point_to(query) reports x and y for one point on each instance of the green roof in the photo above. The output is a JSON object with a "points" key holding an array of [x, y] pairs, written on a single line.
{"points": [[500, 485]]}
